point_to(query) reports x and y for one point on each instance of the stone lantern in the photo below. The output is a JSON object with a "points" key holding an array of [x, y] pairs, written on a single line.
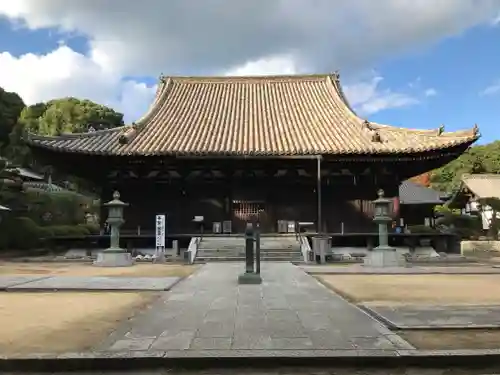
{"points": [[383, 255], [115, 256]]}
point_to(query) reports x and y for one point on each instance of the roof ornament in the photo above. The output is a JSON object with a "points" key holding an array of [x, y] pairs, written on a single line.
{"points": [[123, 140], [440, 129], [126, 137], [336, 75], [475, 129], [367, 125], [376, 137], [90, 129]]}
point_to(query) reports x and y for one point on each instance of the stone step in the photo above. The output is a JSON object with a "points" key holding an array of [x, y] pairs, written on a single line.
{"points": [[242, 259], [219, 249], [239, 249]]}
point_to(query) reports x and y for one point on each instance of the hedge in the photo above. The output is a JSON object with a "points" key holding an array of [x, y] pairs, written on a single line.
{"points": [[22, 233]]}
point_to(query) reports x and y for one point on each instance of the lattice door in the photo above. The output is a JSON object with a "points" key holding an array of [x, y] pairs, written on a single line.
{"points": [[248, 210]]}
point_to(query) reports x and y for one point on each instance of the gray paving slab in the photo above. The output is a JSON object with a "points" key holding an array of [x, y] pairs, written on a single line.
{"points": [[436, 317], [8, 281], [96, 283], [290, 310], [413, 270]]}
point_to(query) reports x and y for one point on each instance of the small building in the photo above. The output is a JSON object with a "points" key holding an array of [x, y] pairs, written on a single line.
{"points": [[416, 204], [227, 150], [475, 196]]}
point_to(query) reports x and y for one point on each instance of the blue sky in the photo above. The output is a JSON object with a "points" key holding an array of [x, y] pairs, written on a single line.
{"points": [[459, 69], [456, 69]]}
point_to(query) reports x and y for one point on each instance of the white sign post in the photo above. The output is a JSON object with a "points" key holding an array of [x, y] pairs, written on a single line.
{"points": [[160, 238]]}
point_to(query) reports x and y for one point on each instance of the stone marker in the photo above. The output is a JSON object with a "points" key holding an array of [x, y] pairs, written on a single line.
{"points": [[250, 276]]}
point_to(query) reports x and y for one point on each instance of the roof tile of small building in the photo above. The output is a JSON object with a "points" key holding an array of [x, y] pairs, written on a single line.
{"points": [[484, 185], [278, 115]]}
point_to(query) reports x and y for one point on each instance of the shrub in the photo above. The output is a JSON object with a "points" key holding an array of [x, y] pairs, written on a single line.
{"points": [[23, 233], [422, 229], [465, 226], [68, 231], [56, 208], [90, 228]]}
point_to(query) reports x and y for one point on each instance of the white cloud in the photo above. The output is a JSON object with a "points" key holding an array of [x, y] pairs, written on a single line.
{"points": [[265, 66], [430, 92], [491, 90], [64, 72], [496, 20], [131, 38], [368, 98], [192, 36]]}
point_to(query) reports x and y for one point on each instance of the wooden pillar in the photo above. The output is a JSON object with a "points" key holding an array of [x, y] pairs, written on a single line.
{"points": [[318, 194]]}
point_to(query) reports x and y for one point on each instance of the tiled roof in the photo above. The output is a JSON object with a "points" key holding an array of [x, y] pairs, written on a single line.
{"points": [[278, 115], [483, 185], [413, 193]]}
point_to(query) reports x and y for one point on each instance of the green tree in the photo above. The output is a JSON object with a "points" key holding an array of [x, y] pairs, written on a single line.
{"points": [[66, 115], [478, 159], [11, 106]]}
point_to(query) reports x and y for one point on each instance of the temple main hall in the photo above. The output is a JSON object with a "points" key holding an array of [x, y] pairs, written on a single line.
{"points": [[228, 150]]}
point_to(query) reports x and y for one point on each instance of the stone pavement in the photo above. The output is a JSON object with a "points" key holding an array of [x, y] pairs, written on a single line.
{"points": [[436, 317], [412, 270], [8, 281], [89, 283], [290, 311]]}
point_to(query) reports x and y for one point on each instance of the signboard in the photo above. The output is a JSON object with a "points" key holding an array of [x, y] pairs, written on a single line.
{"points": [[160, 232]]}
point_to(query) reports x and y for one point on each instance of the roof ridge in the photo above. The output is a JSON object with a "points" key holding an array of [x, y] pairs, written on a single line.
{"points": [[162, 91], [334, 80], [239, 78], [463, 133], [34, 136]]}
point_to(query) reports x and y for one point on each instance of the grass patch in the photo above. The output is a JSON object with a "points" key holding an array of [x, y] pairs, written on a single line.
{"points": [[452, 339], [389, 290]]}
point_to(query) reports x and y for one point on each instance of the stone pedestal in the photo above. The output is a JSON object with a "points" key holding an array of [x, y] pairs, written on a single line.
{"points": [[250, 278], [160, 258], [321, 246], [114, 259], [175, 247], [384, 257]]}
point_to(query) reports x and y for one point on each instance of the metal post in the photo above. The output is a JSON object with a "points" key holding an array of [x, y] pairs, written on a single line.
{"points": [[257, 248], [249, 258], [318, 187]]}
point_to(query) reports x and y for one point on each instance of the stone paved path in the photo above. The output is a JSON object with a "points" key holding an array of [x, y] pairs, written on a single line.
{"points": [[289, 311]]}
